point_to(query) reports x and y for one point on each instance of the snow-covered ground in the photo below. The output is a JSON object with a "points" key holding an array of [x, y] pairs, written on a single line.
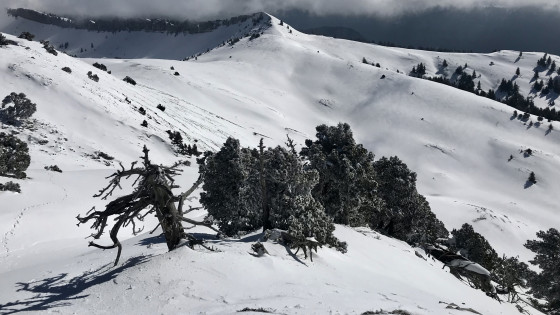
{"points": [[280, 83]]}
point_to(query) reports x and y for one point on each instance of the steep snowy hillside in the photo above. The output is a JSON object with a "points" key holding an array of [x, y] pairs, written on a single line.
{"points": [[283, 82], [490, 68]]}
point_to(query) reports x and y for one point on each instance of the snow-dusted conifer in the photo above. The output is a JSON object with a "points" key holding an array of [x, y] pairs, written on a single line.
{"points": [[291, 203], [547, 283], [347, 185], [230, 186], [14, 156], [407, 214], [474, 246], [16, 108]]}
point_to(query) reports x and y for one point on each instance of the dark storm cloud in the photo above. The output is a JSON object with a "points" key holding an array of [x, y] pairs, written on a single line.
{"points": [[207, 9]]}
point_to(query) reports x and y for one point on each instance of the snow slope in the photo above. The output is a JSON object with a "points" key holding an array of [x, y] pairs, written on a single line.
{"points": [[280, 83], [491, 68]]}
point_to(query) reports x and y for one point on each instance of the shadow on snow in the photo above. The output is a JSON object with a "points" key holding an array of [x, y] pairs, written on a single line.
{"points": [[61, 290]]}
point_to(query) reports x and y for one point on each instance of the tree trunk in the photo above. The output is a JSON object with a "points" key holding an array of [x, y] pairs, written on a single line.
{"points": [[168, 216], [265, 206]]}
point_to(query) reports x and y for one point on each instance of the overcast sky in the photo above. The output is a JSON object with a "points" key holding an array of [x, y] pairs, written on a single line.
{"points": [[208, 9], [477, 25]]}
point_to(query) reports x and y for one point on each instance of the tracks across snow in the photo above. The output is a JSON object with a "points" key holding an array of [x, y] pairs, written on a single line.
{"points": [[20, 217]]}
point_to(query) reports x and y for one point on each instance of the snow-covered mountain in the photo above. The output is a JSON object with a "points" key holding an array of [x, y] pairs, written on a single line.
{"points": [[281, 82]]}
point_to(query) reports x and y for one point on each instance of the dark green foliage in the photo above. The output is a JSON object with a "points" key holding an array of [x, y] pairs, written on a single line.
{"points": [[418, 71], [231, 188], [517, 72], [142, 111], [466, 82], [538, 85], [176, 73], [4, 41], [245, 188], [347, 184], [542, 61], [444, 64], [289, 197], [474, 246], [49, 48], [26, 35], [104, 155], [14, 156], [129, 80], [553, 66], [100, 66], [144, 124], [16, 108], [161, 107], [182, 148], [10, 186], [92, 76], [546, 284], [406, 215], [53, 168], [509, 87], [510, 273], [459, 70], [67, 69], [532, 178]]}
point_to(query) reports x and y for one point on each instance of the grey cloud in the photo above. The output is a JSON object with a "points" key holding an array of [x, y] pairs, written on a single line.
{"points": [[208, 9]]}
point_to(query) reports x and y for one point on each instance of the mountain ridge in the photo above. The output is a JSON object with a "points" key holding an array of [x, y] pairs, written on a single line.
{"points": [[281, 82]]}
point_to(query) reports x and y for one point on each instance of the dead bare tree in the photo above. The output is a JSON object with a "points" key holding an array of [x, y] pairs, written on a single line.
{"points": [[152, 194]]}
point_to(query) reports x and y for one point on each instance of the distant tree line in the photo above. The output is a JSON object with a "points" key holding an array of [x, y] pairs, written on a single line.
{"points": [[507, 92], [116, 24]]}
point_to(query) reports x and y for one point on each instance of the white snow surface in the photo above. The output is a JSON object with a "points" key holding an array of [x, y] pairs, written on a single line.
{"points": [[280, 83]]}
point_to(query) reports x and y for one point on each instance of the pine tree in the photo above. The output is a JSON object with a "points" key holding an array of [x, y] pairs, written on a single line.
{"points": [[16, 108], [517, 72], [532, 179], [510, 273], [547, 283], [406, 214], [347, 183], [14, 156], [290, 201], [231, 195], [474, 246], [444, 64]]}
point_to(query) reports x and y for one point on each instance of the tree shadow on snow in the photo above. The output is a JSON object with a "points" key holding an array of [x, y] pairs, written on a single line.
{"points": [[152, 240], [60, 290], [528, 184], [294, 256]]}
